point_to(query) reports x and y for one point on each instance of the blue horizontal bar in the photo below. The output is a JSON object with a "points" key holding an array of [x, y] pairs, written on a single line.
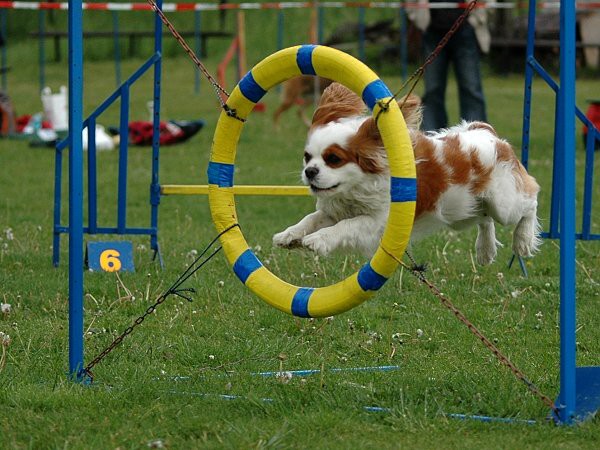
{"points": [[220, 396], [463, 416], [307, 371], [315, 371], [579, 236], [490, 419]]}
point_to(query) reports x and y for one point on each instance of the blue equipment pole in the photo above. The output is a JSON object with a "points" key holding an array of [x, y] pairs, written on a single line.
{"points": [[566, 145], [42, 48], [3, 64], [528, 85], [403, 43], [280, 28], [117, 47], [361, 33], [154, 185], [320, 24], [75, 190], [198, 42], [123, 157]]}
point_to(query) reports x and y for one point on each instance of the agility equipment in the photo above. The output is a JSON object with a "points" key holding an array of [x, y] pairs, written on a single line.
{"points": [[579, 386], [338, 66], [579, 396]]}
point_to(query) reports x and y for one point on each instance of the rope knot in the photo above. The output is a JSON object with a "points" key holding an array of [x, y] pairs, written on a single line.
{"points": [[232, 112]]}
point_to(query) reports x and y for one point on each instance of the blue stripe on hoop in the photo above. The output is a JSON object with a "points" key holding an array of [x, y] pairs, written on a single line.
{"points": [[251, 89], [369, 280], [374, 91], [220, 174], [300, 302], [246, 265], [304, 59], [403, 189]]}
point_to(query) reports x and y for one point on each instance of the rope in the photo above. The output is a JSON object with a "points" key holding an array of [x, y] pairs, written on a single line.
{"points": [[175, 289], [418, 272], [216, 86]]}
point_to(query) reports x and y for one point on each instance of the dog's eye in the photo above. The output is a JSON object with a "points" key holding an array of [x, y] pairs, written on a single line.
{"points": [[333, 159], [307, 157]]}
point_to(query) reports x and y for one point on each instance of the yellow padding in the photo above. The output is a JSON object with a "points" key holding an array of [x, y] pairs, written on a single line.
{"points": [[350, 292]]}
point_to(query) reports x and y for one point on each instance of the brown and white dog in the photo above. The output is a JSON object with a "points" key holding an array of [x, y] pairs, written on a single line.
{"points": [[466, 176], [298, 91]]}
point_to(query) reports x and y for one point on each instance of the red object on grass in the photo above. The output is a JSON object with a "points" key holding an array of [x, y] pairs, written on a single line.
{"points": [[593, 114]]}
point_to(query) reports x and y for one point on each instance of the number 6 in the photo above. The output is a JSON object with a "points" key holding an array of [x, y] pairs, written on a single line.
{"points": [[109, 260]]}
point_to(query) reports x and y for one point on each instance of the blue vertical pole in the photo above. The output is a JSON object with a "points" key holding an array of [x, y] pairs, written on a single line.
{"points": [[586, 223], [557, 173], [3, 62], [280, 34], [42, 48], [403, 43], [155, 186], [57, 204], [75, 190], [198, 42], [92, 177], [361, 33], [280, 28], [320, 24], [566, 99], [117, 47], [529, 59], [123, 157]]}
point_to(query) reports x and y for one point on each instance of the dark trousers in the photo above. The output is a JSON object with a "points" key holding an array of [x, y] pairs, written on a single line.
{"points": [[462, 51]]}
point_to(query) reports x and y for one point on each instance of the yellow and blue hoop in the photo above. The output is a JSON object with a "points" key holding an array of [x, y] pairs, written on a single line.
{"points": [[338, 66]]}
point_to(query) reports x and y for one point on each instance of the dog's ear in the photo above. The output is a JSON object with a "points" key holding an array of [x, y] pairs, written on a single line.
{"points": [[412, 110], [368, 147], [336, 103]]}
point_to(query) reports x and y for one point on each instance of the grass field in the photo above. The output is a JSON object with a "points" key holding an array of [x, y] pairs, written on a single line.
{"points": [[187, 377]]}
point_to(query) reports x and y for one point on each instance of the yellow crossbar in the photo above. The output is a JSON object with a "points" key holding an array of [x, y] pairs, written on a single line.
{"points": [[202, 189]]}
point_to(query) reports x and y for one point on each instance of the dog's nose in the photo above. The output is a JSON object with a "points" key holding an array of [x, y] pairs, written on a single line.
{"points": [[311, 172]]}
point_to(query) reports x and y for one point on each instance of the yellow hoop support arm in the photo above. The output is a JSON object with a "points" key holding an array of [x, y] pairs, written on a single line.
{"points": [[346, 294]]}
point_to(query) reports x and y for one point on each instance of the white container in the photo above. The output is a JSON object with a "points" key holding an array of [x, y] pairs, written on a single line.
{"points": [[56, 108]]}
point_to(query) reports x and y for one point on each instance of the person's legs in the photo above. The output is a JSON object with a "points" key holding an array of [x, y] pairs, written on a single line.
{"points": [[466, 60], [435, 77]]}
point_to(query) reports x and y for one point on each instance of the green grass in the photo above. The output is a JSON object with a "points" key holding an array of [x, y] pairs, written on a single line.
{"points": [[226, 334]]}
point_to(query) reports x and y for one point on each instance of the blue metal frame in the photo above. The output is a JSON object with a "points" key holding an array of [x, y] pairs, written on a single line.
{"points": [[3, 57], [534, 67], [198, 45], [116, 46], [75, 190], [361, 33], [42, 47], [123, 93], [155, 185], [565, 146], [75, 144], [579, 387], [403, 42]]}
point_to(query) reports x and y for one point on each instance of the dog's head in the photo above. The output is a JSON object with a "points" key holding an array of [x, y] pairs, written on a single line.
{"points": [[344, 147]]}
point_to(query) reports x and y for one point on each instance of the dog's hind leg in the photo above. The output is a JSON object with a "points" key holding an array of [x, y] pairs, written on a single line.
{"points": [[525, 237], [486, 243]]}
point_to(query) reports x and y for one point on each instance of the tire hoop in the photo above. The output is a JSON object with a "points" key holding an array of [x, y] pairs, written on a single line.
{"points": [[346, 294]]}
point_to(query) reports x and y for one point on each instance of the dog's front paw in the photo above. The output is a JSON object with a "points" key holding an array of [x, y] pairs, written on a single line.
{"points": [[287, 239], [319, 243]]}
